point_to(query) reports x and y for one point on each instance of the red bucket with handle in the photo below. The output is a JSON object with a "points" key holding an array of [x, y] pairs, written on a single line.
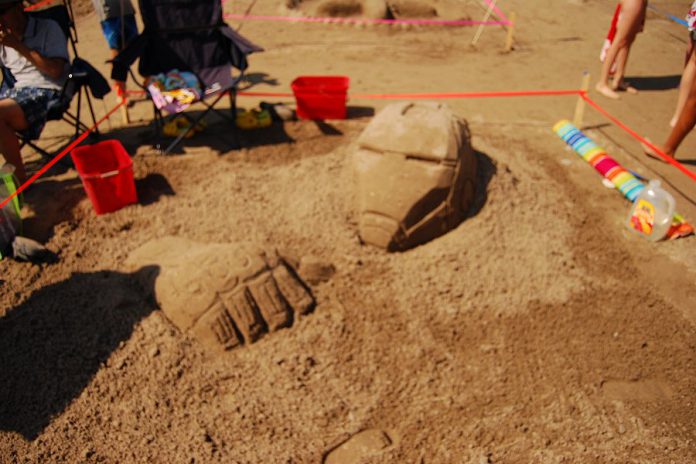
{"points": [[321, 97], [106, 171]]}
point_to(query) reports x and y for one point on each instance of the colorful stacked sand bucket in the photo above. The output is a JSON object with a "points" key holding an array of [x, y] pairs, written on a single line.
{"points": [[623, 180]]}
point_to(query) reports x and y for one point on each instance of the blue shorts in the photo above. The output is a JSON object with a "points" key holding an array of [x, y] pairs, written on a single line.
{"points": [[34, 102], [112, 31]]}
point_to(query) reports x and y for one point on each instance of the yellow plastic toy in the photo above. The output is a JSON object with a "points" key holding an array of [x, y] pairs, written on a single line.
{"points": [[253, 119], [179, 125]]}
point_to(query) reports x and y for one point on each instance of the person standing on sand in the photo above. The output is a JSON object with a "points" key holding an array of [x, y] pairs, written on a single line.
{"points": [[630, 23], [118, 25], [686, 116], [689, 73]]}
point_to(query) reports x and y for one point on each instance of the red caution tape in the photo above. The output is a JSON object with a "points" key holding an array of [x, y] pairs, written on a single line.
{"points": [[60, 155], [613, 119], [427, 96], [36, 6]]}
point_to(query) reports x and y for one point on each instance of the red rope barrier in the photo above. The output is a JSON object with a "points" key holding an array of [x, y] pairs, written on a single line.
{"points": [[415, 96], [60, 155], [36, 6], [668, 159], [522, 93], [266, 94]]}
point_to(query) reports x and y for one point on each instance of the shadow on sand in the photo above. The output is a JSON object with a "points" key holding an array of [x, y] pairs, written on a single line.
{"points": [[51, 202], [654, 82], [52, 345], [486, 170]]}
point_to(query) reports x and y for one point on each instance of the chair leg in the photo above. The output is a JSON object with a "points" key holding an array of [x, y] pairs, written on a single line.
{"points": [[40, 150], [193, 123], [158, 127], [73, 121], [79, 106], [91, 110], [178, 139], [233, 108], [233, 103]]}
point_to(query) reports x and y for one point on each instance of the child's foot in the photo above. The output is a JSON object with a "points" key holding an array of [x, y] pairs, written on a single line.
{"points": [[652, 153], [606, 91]]}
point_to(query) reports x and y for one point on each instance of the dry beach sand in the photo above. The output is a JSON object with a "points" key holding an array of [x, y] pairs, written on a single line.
{"points": [[539, 330]]}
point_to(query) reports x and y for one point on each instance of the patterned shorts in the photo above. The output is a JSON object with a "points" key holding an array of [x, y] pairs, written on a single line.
{"points": [[118, 34], [34, 103]]}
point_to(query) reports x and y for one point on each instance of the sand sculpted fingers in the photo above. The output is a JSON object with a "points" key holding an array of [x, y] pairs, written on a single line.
{"points": [[225, 295], [415, 174]]}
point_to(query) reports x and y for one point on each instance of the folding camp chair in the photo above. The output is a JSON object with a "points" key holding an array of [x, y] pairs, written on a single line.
{"points": [[188, 36], [81, 75]]}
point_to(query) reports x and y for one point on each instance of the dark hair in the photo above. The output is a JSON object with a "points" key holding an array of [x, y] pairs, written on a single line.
{"points": [[6, 6]]}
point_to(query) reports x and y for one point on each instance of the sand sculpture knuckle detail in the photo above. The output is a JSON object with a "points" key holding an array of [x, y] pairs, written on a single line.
{"points": [[225, 295], [415, 174], [243, 310]]}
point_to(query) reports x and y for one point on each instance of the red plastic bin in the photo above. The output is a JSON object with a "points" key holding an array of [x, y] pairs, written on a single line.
{"points": [[321, 97], [106, 171]]}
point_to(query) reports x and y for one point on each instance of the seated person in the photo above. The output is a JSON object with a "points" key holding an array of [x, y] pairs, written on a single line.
{"points": [[35, 51]]}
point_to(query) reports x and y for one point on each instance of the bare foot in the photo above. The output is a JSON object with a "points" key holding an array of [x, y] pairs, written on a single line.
{"points": [[652, 153], [625, 87], [606, 91]]}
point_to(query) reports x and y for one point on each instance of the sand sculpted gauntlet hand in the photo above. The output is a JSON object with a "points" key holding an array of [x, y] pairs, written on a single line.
{"points": [[225, 295]]}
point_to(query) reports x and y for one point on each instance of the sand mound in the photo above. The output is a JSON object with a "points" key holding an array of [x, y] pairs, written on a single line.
{"points": [[535, 331], [372, 9], [380, 9]]}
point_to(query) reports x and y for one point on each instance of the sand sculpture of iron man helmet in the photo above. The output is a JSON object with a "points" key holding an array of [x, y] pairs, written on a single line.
{"points": [[415, 174]]}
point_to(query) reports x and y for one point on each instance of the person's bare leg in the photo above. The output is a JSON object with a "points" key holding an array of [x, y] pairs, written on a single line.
{"points": [[618, 84], [684, 125], [685, 83], [12, 119], [119, 86], [628, 26], [630, 23], [602, 85]]}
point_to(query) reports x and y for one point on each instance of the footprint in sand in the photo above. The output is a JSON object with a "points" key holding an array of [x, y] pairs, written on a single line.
{"points": [[361, 445]]}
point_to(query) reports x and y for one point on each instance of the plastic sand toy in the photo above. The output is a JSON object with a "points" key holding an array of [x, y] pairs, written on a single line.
{"points": [[651, 214], [253, 119]]}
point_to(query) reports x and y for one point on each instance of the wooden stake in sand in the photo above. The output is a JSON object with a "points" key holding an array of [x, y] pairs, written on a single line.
{"points": [[511, 32], [124, 114], [486, 17], [580, 105]]}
